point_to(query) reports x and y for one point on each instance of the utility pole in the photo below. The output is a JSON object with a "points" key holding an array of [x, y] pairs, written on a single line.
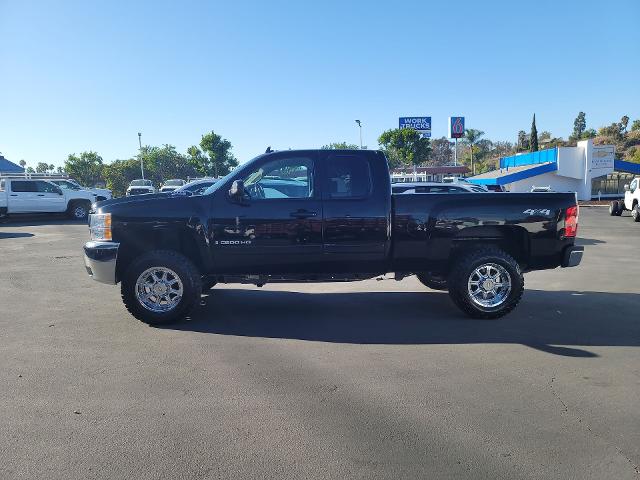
{"points": [[455, 152], [141, 162], [360, 126]]}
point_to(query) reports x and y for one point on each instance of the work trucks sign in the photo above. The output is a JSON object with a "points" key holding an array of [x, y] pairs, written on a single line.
{"points": [[420, 124]]}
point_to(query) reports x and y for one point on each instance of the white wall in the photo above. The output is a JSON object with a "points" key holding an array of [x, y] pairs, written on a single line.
{"points": [[572, 161], [558, 184], [576, 168]]}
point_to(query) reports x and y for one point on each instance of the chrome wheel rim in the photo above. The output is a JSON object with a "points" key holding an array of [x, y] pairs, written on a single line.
{"points": [[489, 285], [79, 212], [159, 289]]}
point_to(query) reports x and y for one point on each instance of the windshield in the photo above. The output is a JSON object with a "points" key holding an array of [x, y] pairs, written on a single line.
{"points": [[237, 171], [66, 185], [174, 183], [141, 183]]}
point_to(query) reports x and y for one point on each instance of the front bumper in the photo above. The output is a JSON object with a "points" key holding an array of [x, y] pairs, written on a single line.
{"points": [[100, 261], [572, 256]]}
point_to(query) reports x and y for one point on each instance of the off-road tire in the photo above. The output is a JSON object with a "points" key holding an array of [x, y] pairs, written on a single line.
{"points": [[432, 282], [614, 208], [187, 273], [463, 268], [79, 209]]}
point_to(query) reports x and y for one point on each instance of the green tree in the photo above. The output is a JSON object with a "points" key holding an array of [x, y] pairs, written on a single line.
{"points": [[579, 126], [42, 167], [523, 141], [588, 133], [471, 137], [164, 163], [85, 168], [22, 163], [119, 173], [30, 170], [635, 126], [533, 136], [624, 121], [340, 146], [441, 151], [219, 160], [404, 147]]}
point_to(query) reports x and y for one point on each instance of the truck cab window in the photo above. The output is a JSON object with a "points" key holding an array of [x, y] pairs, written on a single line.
{"points": [[281, 178], [23, 186], [46, 187], [349, 176]]}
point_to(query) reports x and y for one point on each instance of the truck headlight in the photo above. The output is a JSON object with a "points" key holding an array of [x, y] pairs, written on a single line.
{"points": [[100, 226]]}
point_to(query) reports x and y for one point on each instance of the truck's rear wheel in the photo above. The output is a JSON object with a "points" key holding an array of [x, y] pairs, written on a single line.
{"points": [[161, 287], [614, 208], [635, 213], [433, 282], [486, 283], [79, 210]]}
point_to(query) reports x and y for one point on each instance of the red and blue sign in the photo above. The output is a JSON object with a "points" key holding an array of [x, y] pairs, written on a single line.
{"points": [[456, 127]]}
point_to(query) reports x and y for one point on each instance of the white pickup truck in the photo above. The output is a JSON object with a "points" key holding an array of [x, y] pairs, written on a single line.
{"points": [[631, 201], [70, 184], [25, 195]]}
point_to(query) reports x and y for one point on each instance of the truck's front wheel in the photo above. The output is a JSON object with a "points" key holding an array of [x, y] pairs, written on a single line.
{"points": [[161, 287], [486, 283]]}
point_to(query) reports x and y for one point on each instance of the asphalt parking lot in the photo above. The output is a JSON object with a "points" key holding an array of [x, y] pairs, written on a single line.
{"points": [[364, 380]]}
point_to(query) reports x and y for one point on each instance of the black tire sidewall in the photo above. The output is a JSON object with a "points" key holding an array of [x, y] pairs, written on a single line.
{"points": [[614, 208], [76, 204], [458, 283], [635, 213], [434, 283], [186, 271]]}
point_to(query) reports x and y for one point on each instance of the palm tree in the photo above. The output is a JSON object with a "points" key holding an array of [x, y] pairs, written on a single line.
{"points": [[22, 163], [471, 137]]}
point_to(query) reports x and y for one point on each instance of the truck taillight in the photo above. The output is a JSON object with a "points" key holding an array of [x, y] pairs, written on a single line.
{"points": [[571, 222]]}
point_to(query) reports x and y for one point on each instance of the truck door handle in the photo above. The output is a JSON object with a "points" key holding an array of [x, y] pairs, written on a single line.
{"points": [[41, 194], [303, 214], [14, 194]]}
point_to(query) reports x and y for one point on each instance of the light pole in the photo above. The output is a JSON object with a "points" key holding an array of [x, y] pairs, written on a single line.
{"points": [[360, 126], [141, 162]]}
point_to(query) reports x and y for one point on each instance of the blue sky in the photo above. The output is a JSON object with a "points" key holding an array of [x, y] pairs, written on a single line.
{"points": [[81, 75]]}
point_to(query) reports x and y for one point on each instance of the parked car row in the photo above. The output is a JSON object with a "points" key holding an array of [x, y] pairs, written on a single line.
{"points": [[630, 202]]}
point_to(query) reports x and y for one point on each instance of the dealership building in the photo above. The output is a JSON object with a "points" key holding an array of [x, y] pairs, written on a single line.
{"points": [[587, 169]]}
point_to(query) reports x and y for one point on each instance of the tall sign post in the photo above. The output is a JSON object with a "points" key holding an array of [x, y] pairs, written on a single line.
{"points": [[420, 124], [456, 131]]}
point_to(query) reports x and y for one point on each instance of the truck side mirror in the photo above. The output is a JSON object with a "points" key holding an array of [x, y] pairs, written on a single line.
{"points": [[236, 192], [626, 187]]}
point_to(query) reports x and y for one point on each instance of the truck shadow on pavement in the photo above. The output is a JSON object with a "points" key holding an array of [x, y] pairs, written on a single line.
{"points": [[38, 220], [551, 321], [14, 235]]}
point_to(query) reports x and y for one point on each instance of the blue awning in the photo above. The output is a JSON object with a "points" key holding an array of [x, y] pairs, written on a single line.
{"points": [[505, 176], [627, 167]]}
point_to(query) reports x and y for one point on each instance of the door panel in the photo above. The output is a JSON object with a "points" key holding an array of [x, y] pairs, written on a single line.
{"points": [[49, 198], [277, 227], [356, 214], [22, 197]]}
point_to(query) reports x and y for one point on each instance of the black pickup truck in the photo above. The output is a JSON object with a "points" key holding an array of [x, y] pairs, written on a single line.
{"points": [[321, 216]]}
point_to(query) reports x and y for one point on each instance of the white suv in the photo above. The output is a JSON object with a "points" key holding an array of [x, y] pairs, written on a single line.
{"points": [[140, 187], [631, 201]]}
